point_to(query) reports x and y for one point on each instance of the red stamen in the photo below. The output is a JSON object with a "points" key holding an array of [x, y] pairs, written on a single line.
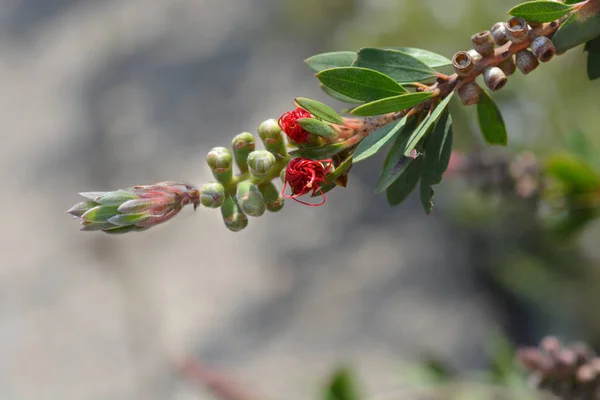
{"points": [[288, 123], [304, 176]]}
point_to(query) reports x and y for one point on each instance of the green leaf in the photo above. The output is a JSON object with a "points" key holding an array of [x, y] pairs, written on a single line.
{"points": [[338, 96], [360, 83], [342, 386], [395, 162], [580, 145], [593, 62], [391, 104], [574, 174], [116, 198], [490, 120], [540, 11], [323, 152], [332, 176], [429, 58], [406, 183], [572, 1], [400, 66], [426, 125], [436, 159], [335, 59], [317, 127], [320, 110], [581, 26], [100, 213], [376, 140], [128, 219], [122, 229]]}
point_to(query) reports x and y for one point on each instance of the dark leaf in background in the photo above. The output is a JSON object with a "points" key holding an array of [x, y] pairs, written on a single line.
{"points": [[575, 175], [490, 120], [406, 183], [342, 386], [400, 66], [438, 150], [593, 62], [360, 83]]}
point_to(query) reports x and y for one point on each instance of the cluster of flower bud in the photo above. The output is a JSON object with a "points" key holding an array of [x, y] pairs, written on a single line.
{"points": [[493, 172], [251, 192], [497, 65], [568, 372]]}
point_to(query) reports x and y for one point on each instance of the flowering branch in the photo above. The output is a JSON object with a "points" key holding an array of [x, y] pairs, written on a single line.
{"points": [[400, 99]]}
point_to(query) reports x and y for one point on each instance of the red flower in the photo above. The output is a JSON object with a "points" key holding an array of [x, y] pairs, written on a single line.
{"points": [[304, 176], [288, 123]]}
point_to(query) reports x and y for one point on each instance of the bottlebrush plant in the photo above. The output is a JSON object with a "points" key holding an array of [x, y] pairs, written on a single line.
{"points": [[398, 98]]}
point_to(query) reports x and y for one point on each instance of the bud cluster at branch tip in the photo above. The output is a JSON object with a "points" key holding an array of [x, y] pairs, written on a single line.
{"points": [[134, 209]]}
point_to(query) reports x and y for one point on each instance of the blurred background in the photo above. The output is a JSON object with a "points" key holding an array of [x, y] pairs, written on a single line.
{"points": [[100, 95]]}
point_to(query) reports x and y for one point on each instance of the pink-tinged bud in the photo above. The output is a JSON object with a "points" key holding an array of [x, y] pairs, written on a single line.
{"points": [[543, 48], [469, 93], [463, 63], [134, 209], [483, 43], [517, 30], [494, 78], [499, 33], [526, 61]]}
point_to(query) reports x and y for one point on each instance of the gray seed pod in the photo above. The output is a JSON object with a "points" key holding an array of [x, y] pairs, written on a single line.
{"points": [[494, 78], [517, 30], [469, 93], [475, 56], [463, 63], [483, 43], [526, 61], [543, 48], [508, 66], [499, 33]]}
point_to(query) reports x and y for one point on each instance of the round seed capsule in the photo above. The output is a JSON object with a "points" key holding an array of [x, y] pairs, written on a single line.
{"points": [[483, 43], [508, 66], [494, 78], [517, 29], [463, 63], [469, 93], [526, 61], [499, 33], [543, 48]]}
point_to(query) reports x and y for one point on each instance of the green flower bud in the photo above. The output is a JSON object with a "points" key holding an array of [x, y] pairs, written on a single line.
{"points": [[235, 220], [220, 161], [270, 134], [272, 196], [134, 209], [250, 199], [212, 195], [242, 145], [260, 162]]}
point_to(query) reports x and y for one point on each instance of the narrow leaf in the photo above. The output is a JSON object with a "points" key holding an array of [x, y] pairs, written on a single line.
{"points": [[323, 152], [80, 208], [338, 96], [490, 120], [593, 61], [335, 59], [360, 83], [128, 219], [115, 198], [573, 173], [100, 213], [406, 183], [427, 124], [400, 66], [96, 226], [122, 229], [436, 159], [320, 110], [540, 11], [376, 140], [140, 205], [395, 162], [429, 58], [391, 104], [317, 127], [583, 25]]}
